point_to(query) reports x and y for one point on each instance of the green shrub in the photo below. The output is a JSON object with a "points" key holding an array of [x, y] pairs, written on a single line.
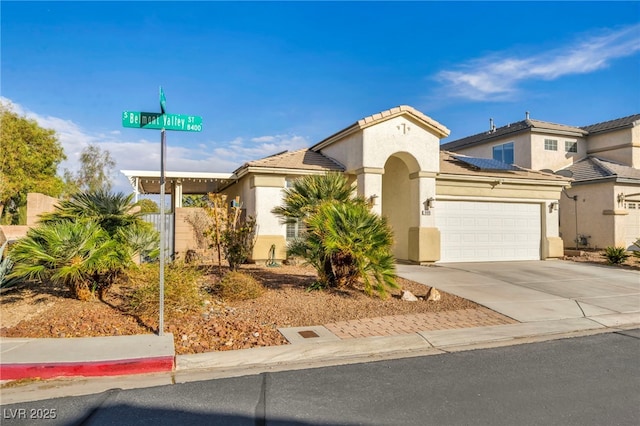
{"points": [[181, 289], [616, 255], [238, 286]]}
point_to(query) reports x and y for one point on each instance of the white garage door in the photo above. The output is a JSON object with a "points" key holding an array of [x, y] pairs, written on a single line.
{"points": [[473, 231]]}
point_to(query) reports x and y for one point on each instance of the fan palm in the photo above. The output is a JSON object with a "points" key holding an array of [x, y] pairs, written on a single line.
{"points": [[79, 255], [308, 192], [347, 243], [110, 211], [344, 241]]}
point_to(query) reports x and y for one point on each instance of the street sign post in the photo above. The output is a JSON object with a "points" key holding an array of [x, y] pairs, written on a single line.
{"points": [[163, 122]]}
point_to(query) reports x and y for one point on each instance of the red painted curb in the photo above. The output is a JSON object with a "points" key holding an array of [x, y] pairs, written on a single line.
{"points": [[70, 369]]}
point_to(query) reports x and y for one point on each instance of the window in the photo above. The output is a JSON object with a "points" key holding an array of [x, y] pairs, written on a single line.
{"points": [[570, 146], [295, 230], [504, 153], [550, 145], [631, 206]]}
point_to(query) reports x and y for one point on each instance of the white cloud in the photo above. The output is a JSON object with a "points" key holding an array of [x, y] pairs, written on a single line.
{"points": [[145, 155], [497, 77]]}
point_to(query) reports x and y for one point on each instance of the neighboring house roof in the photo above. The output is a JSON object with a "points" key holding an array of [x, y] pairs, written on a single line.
{"points": [[303, 159], [618, 123], [453, 164], [513, 129], [371, 120], [592, 169]]}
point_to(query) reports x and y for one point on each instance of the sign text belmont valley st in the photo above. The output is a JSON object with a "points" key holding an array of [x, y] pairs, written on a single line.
{"points": [[155, 120]]}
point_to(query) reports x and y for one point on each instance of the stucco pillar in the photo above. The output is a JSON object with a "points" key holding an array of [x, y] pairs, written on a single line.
{"points": [[369, 186], [424, 237], [176, 194], [552, 244]]}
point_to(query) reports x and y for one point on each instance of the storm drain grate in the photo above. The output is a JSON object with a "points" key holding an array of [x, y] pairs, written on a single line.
{"points": [[308, 334]]}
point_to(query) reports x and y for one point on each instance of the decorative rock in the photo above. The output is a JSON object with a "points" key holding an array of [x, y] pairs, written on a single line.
{"points": [[433, 295], [408, 296]]}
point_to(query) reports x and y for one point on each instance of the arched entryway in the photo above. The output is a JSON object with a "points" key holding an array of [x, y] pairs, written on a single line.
{"points": [[399, 198]]}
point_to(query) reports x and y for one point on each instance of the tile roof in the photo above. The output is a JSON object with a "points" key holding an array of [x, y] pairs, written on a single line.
{"points": [[594, 168], [449, 164], [512, 128], [303, 159], [618, 123]]}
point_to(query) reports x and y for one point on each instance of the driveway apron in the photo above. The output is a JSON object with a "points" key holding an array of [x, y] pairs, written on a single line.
{"points": [[530, 291]]}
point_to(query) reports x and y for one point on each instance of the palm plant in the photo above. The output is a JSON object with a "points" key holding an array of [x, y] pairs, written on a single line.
{"points": [[79, 255], [115, 214], [345, 242], [110, 211], [308, 192], [85, 243]]}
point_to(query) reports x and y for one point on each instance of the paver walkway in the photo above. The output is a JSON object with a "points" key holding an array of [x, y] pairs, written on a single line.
{"points": [[406, 324]]}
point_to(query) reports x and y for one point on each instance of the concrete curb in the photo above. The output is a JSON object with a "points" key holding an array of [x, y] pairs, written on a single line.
{"points": [[91, 356], [141, 354]]}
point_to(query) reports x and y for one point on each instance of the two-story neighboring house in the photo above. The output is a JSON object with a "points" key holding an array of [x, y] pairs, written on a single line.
{"points": [[602, 208]]}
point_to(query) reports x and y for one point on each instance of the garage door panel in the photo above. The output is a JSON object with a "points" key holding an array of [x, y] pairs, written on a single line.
{"points": [[473, 231]]}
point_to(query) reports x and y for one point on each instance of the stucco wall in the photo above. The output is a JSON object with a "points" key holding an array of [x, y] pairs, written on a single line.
{"points": [[627, 222], [347, 152], [600, 216], [617, 146], [554, 160], [38, 204], [592, 221], [521, 149], [399, 135]]}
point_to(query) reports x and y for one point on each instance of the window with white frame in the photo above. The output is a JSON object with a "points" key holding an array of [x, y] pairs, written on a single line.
{"points": [[570, 146], [550, 145], [295, 230], [504, 153]]}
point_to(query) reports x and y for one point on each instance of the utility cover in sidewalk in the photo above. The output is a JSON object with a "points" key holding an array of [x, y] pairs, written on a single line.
{"points": [[312, 334]]}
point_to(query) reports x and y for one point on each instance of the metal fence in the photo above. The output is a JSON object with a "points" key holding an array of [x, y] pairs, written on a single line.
{"points": [[154, 219]]}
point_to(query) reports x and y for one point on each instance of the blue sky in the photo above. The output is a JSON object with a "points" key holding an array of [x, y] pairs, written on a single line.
{"points": [[271, 76]]}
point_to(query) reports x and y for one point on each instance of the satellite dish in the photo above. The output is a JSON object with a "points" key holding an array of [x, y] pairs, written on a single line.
{"points": [[565, 173]]}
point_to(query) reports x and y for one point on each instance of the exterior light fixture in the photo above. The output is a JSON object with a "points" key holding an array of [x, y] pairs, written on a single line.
{"points": [[428, 205]]}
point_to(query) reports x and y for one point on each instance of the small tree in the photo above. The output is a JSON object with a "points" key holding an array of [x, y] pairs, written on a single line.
{"points": [[29, 158], [232, 233], [238, 237], [217, 210], [95, 171], [147, 206]]}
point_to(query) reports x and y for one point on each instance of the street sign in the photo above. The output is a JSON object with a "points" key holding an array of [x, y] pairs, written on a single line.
{"points": [[157, 121], [163, 101]]}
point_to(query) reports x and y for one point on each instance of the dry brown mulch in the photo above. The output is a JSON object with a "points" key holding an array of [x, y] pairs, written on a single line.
{"points": [[43, 311]]}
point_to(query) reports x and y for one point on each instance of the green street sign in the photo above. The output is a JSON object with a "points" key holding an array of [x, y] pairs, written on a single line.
{"points": [[163, 101], [158, 121]]}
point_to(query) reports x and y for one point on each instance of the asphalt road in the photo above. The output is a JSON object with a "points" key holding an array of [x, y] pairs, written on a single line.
{"points": [[591, 380]]}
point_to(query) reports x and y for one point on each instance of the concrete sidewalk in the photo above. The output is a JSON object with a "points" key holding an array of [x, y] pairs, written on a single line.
{"points": [[550, 299]]}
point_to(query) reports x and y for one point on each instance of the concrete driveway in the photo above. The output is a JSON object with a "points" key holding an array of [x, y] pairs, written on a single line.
{"points": [[538, 290]]}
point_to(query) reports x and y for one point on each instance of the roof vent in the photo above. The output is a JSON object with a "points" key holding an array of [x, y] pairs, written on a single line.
{"points": [[526, 115], [492, 127]]}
